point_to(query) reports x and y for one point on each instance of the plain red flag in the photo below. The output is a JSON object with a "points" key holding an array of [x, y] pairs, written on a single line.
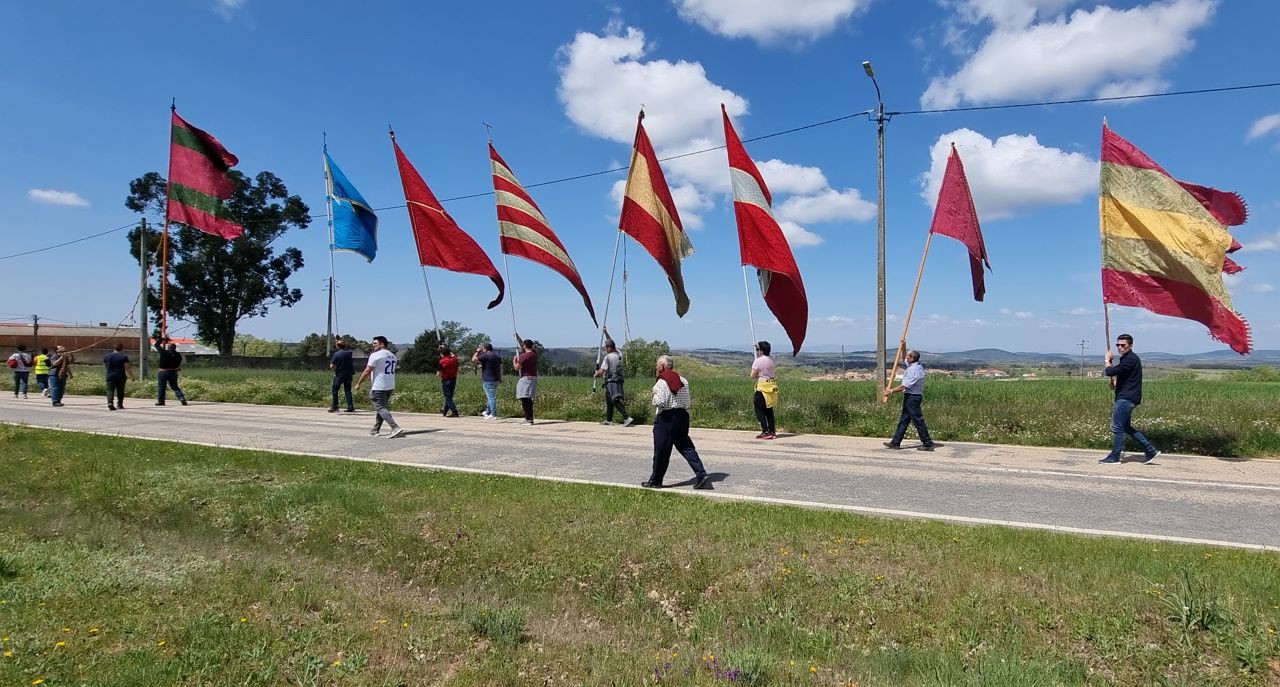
{"points": [[956, 217], [762, 242], [441, 242]]}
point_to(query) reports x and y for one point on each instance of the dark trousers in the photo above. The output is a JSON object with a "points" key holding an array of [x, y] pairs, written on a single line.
{"points": [[115, 391], [613, 399], [42, 382], [20, 380], [344, 383], [447, 386], [764, 415], [912, 414], [168, 379], [526, 404], [671, 430]]}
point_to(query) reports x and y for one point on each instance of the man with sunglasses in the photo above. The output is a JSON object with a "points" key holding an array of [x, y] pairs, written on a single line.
{"points": [[1127, 372]]}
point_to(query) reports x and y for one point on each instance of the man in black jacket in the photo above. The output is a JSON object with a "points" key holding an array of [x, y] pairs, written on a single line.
{"points": [[1127, 372], [170, 364]]}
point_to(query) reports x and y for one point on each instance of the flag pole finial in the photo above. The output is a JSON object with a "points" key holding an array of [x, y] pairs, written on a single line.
{"points": [[391, 131], [488, 131], [173, 104]]}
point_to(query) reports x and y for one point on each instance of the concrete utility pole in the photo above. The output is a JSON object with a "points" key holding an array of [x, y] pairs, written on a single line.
{"points": [[35, 331], [1083, 343], [880, 313], [142, 301]]}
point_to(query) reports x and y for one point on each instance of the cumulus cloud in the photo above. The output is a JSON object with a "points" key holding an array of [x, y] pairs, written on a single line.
{"points": [[1018, 314], [49, 196], [1271, 242], [1092, 52], [1079, 312], [1012, 172], [1260, 288], [227, 8], [1264, 126], [769, 21], [605, 78]]}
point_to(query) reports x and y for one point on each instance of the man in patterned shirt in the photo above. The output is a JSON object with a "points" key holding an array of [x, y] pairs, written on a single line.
{"points": [[671, 403]]}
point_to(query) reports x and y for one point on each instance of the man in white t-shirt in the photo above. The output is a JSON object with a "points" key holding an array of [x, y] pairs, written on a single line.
{"points": [[381, 369], [765, 371]]}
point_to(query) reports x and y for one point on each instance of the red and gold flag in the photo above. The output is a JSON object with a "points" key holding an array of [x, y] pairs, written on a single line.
{"points": [[524, 230], [1163, 249], [441, 242], [649, 215], [762, 242]]}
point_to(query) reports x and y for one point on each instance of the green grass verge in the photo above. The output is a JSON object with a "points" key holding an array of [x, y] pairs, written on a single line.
{"points": [[124, 562], [1234, 419]]}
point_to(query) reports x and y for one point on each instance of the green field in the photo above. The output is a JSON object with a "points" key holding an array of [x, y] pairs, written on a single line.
{"points": [[1219, 418], [125, 562]]}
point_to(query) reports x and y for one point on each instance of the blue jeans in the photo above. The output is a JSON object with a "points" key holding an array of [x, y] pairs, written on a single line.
{"points": [[491, 393], [1121, 426], [57, 387], [20, 382], [170, 378], [446, 387]]}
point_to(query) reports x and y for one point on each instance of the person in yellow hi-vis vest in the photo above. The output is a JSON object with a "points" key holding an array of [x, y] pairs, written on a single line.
{"points": [[765, 371], [42, 371]]}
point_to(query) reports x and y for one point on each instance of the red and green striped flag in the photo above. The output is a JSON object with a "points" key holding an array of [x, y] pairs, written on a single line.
{"points": [[198, 181], [1162, 248]]}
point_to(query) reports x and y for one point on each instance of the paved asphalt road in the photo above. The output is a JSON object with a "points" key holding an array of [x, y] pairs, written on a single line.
{"points": [[1178, 498]]}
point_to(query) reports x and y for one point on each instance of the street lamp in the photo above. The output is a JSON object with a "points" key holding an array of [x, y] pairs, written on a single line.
{"points": [[880, 315]]}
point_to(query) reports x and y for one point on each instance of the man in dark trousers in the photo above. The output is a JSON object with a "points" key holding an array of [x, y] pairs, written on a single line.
{"points": [[912, 390], [118, 369], [611, 370], [170, 364], [671, 402], [448, 374], [343, 370], [1127, 371]]}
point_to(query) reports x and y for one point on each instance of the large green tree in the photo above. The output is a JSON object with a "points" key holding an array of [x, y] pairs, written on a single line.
{"points": [[313, 344], [423, 355], [215, 283]]}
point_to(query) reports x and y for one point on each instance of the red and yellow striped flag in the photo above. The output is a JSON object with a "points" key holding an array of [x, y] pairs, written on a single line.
{"points": [[649, 215], [524, 230], [1162, 250]]}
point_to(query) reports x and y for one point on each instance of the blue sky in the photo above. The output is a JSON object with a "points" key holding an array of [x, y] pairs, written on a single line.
{"points": [[86, 111]]}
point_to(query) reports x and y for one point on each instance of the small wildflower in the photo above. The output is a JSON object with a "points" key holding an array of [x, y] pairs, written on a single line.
{"points": [[160, 643], [404, 625], [382, 621], [244, 620], [793, 664], [8, 654], [38, 681], [337, 662], [93, 630], [1271, 630], [813, 669], [1207, 556], [59, 645], [4, 639], [66, 630]]}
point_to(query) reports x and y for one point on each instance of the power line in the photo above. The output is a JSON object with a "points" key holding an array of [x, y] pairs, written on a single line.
{"points": [[825, 122]]}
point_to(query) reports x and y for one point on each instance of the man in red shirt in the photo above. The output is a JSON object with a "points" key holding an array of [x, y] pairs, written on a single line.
{"points": [[526, 364], [448, 375]]}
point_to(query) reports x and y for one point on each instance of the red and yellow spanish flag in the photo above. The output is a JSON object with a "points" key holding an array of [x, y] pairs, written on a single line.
{"points": [[525, 231], [649, 215], [1162, 249]]}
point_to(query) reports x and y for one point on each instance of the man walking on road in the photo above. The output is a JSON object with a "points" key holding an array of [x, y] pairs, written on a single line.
{"points": [[526, 365], [671, 402], [490, 377], [382, 369], [118, 369], [343, 369], [21, 362], [59, 373], [912, 389], [1127, 372], [611, 370], [448, 374], [170, 364]]}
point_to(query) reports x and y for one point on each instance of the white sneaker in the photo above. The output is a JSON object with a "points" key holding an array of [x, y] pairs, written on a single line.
{"points": [[627, 422], [484, 414], [396, 432], [491, 417], [526, 422], [607, 423], [375, 432]]}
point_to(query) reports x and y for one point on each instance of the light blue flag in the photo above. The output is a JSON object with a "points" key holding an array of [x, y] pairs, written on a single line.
{"points": [[355, 226]]}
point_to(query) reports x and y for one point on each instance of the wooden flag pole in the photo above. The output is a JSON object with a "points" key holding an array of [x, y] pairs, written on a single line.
{"points": [[608, 298], [902, 343]]}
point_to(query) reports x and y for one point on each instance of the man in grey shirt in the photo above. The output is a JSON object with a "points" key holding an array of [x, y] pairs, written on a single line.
{"points": [[611, 370], [912, 389]]}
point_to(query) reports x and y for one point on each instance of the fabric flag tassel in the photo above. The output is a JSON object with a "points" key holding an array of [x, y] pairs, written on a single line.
{"points": [[762, 242], [355, 225], [649, 215], [1163, 249], [525, 232], [198, 181], [955, 216], [441, 242]]}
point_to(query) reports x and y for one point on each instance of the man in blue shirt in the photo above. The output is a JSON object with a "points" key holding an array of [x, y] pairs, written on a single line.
{"points": [[118, 369], [343, 370], [912, 389], [490, 377], [1127, 372]]}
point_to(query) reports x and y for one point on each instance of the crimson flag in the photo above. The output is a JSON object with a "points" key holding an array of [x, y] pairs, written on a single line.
{"points": [[441, 242], [956, 217], [762, 242]]}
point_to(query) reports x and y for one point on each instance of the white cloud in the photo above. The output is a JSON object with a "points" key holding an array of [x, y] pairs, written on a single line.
{"points": [[797, 235], [835, 319], [1018, 314], [227, 7], [769, 21], [1133, 87], [828, 206], [1260, 288], [49, 196], [1089, 52], [1011, 173], [605, 78], [1271, 242], [1010, 12], [1079, 312], [1264, 126]]}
